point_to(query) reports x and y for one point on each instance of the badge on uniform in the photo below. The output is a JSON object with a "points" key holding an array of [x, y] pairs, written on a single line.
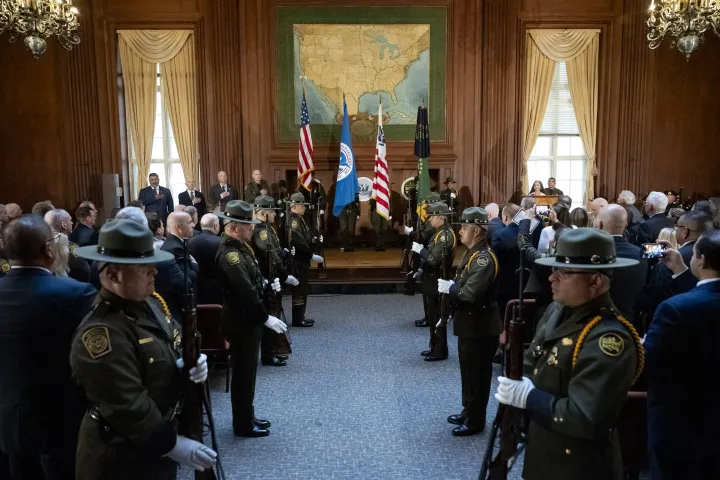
{"points": [[611, 344], [72, 249], [4, 266], [263, 235], [233, 258], [483, 261], [97, 342], [567, 342], [294, 224]]}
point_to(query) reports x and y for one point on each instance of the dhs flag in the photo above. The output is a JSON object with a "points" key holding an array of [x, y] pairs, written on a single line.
{"points": [[347, 180]]}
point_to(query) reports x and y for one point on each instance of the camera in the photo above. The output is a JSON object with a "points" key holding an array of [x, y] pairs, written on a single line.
{"points": [[653, 250], [542, 209]]}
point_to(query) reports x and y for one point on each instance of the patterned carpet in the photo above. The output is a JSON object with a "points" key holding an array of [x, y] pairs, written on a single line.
{"points": [[356, 401]]}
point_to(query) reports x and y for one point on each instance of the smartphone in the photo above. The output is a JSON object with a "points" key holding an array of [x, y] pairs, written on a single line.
{"points": [[542, 209], [653, 250]]}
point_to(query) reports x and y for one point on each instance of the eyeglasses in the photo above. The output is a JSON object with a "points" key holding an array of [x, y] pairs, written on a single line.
{"points": [[55, 237], [563, 273]]}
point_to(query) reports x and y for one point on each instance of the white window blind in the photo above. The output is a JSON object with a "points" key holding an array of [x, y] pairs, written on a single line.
{"points": [[560, 115]]}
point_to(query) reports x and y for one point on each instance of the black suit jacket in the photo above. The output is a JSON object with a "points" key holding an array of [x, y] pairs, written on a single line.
{"points": [[163, 206], [203, 247], [84, 235], [494, 226], [170, 279], [648, 231], [628, 283], [39, 402], [184, 199], [504, 244], [215, 199]]}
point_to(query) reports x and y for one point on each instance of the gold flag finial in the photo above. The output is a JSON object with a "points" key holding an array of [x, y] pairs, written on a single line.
{"points": [[303, 78]]}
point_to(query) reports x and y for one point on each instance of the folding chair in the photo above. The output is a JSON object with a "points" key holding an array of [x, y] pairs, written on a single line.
{"points": [[213, 343]]}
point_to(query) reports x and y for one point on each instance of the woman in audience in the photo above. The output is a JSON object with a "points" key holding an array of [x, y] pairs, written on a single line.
{"points": [[669, 235], [61, 265], [579, 218], [537, 188], [156, 226]]}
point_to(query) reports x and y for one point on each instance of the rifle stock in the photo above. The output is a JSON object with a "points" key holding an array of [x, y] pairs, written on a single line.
{"points": [[282, 342]]}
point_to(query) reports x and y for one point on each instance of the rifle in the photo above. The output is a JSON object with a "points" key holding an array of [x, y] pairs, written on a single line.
{"points": [[415, 261], [322, 269], [509, 420], [440, 343], [282, 342], [407, 253], [195, 396]]}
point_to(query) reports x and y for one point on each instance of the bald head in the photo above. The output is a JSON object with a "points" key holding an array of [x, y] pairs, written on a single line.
{"points": [[596, 205], [210, 221], [222, 177], [59, 220], [180, 224], [612, 219], [257, 176], [493, 210], [13, 210], [28, 242], [179, 208]]}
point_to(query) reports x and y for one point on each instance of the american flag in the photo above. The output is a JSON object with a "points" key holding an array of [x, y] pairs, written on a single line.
{"points": [[381, 181], [305, 148]]}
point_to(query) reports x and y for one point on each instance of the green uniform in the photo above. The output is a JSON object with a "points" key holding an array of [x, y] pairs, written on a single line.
{"points": [[252, 190], [575, 404], [424, 234], [242, 322], [380, 225], [347, 219], [477, 324], [4, 265], [123, 356], [301, 239], [281, 200], [442, 244], [317, 199], [452, 201]]}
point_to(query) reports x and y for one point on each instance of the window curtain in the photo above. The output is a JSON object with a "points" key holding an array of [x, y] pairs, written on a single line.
{"points": [[174, 50], [579, 49]]}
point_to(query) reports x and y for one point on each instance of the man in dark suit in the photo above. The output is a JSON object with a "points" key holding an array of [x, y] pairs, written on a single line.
{"points": [[157, 199], [627, 283], [495, 223], [193, 198], [504, 244], [60, 221], [172, 284], [648, 231], [203, 247], [40, 406], [627, 200], [222, 193], [681, 365], [85, 232]]}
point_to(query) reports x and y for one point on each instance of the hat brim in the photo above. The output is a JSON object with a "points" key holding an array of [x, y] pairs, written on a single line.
{"points": [[619, 263], [91, 253], [471, 224], [260, 207], [299, 203], [253, 221]]}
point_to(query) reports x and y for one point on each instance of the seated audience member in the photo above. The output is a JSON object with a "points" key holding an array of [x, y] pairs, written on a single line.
{"points": [[536, 189], [170, 284], [13, 211], [681, 365], [596, 205], [60, 221], [654, 208], [668, 235], [85, 232], [627, 200], [41, 208], [40, 406], [203, 248], [504, 244], [579, 218], [136, 203], [157, 228]]}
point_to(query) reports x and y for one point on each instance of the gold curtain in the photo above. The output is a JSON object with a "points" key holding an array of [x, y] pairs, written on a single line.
{"points": [[155, 46], [583, 81], [563, 45], [538, 81], [178, 77], [140, 88]]}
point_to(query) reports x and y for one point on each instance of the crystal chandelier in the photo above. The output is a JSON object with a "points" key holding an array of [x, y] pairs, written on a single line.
{"points": [[685, 21], [37, 20]]}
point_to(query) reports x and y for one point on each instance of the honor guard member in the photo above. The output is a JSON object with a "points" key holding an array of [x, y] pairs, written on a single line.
{"points": [[316, 200], [440, 246], [4, 264], [348, 216], [477, 321], [380, 225], [125, 356], [266, 245], [281, 200], [450, 196], [244, 313], [302, 248], [579, 367]]}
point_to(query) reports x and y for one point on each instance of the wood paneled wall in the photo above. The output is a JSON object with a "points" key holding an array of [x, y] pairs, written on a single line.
{"points": [[60, 119]]}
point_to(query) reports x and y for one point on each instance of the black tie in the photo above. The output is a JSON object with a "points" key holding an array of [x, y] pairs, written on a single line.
{"points": [[225, 188]]}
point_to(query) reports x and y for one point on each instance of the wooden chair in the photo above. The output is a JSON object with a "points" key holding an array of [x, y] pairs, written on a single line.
{"points": [[213, 343]]}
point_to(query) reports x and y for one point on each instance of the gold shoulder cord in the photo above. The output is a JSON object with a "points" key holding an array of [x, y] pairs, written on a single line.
{"points": [[166, 310], [495, 261], [636, 338], [443, 231]]}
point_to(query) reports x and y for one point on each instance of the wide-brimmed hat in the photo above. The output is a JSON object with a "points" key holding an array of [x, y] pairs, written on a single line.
{"points": [[586, 248], [239, 211], [449, 180], [432, 197], [124, 241], [473, 216], [265, 202], [437, 209], [297, 199]]}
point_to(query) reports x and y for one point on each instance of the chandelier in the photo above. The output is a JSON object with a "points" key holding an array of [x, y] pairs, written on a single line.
{"points": [[685, 21], [37, 20]]}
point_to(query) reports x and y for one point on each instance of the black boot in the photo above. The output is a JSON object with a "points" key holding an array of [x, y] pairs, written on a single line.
{"points": [[297, 317], [305, 317]]}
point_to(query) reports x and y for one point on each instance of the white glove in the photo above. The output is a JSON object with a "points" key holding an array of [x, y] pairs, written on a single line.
{"points": [[292, 251], [408, 230], [320, 239], [276, 285], [265, 283], [275, 324], [199, 373], [322, 212], [452, 195], [444, 285], [318, 259], [514, 392], [357, 217], [193, 454], [417, 247], [282, 214], [292, 281], [390, 217], [418, 273]]}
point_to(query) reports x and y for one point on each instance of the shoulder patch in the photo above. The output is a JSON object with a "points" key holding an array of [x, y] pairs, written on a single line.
{"points": [[233, 258], [611, 344], [72, 248], [483, 261], [294, 224], [263, 235], [97, 342], [4, 266]]}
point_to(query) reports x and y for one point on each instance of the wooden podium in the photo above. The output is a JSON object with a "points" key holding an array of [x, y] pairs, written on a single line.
{"points": [[543, 199]]}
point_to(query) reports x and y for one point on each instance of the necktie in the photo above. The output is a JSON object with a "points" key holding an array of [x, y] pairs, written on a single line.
{"points": [[192, 195], [225, 188], [156, 191]]}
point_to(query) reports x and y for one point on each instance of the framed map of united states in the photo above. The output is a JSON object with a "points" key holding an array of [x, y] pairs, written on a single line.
{"points": [[365, 54]]}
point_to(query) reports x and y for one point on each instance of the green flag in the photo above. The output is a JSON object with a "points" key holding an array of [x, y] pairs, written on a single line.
{"points": [[422, 151]]}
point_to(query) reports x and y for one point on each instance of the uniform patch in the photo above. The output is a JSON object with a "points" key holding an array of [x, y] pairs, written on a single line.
{"points": [[483, 261], [443, 238], [567, 342], [263, 235], [143, 341], [97, 342], [294, 224], [4, 266], [72, 249], [611, 344], [233, 258]]}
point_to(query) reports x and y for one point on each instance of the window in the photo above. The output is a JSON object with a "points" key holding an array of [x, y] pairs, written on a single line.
{"points": [[559, 151], [165, 159]]}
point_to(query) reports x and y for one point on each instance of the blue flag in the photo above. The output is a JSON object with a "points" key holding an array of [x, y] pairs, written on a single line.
{"points": [[347, 179]]}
